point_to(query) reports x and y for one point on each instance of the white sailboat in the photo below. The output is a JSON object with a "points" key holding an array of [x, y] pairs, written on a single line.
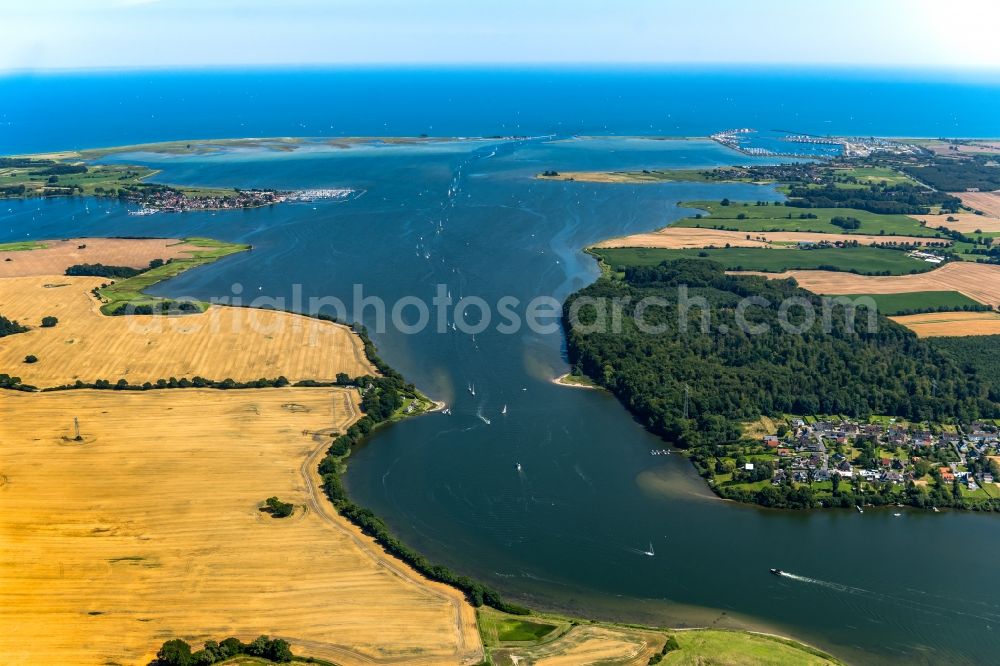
{"points": [[649, 552], [504, 410]]}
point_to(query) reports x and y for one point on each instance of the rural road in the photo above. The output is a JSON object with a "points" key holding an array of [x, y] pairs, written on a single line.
{"points": [[470, 650]]}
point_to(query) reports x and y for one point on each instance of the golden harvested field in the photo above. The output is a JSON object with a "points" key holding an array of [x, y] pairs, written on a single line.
{"points": [[149, 529], [980, 282], [977, 147], [676, 238], [988, 202], [223, 342], [58, 255], [951, 323], [966, 222], [585, 644]]}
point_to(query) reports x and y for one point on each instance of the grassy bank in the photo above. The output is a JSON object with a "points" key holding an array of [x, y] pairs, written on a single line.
{"points": [[129, 294], [755, 218], [509, 640], [21, 246], [863, 260]]}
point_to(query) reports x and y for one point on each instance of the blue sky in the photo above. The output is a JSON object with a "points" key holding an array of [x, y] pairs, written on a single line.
{"points": [[47, 34]]}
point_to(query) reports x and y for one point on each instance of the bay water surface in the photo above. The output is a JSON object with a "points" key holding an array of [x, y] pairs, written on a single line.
{"points": [[569, 529]]}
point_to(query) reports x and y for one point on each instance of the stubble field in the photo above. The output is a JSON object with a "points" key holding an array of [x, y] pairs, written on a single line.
{"points": [[224, 342], [149, 528], [676, 238], [980, 282], [951, 324], [988, 202], [965, 222], [58, 255]]}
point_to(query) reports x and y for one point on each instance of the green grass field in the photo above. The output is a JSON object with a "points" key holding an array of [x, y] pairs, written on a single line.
{"points": [[21, 246], [130, 291], [690, 175], [864, 260], [524, 639], [522, 630], [775, 218], [98, 180], [735, 648], [103, 177], [872, 175], [496, 627], [917, 301]]}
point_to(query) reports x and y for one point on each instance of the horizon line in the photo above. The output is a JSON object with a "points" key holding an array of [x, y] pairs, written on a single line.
{"points": [[512, 66]]}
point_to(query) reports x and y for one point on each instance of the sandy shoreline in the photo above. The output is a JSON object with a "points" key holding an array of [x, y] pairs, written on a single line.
{"points": [[561, 381]]}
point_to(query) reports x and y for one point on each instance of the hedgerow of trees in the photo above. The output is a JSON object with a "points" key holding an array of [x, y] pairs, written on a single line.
{"points": [[100, 270], [382, 397], [176, 652]]}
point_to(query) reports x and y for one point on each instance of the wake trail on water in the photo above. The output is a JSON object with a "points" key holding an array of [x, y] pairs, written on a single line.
{"points": [[933, 609]]}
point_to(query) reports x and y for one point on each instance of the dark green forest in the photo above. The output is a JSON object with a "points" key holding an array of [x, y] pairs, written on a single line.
{"points": [[731, 377], [957, 175], [882, 198], [978, 355]]}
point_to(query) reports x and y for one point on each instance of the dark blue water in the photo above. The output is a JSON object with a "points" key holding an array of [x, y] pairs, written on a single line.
{"points": [[567, 530], [82, 110]]}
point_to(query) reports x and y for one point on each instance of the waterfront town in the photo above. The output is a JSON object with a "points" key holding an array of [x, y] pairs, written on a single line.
{"points": [[171, 200], [896, 461]]}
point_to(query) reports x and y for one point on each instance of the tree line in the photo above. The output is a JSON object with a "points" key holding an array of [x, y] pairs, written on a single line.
{"points": [[382, 396], [117, 272], [177, 652], [899, 199]]}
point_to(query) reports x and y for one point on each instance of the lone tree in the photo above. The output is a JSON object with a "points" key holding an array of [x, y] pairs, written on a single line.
{"points": [[49, 322], [31, 358], [278, 508], [174, 653]]}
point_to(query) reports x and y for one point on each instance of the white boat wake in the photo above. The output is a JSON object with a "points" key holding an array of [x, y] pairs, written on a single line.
{"points": [[933, 609]]}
